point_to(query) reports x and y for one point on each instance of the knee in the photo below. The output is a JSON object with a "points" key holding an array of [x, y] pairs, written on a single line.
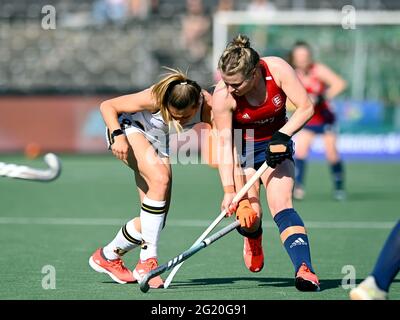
{"points": [[332, 156], [280, 203], [159, 182], [301, 153], [331, 153]]}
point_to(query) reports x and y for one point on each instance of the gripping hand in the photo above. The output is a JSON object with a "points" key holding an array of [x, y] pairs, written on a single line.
{"points": [[279, 148], [246, 214]]}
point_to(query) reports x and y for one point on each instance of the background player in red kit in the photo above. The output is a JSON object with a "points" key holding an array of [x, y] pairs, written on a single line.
{"points": [[251, 96], [322, 84]]}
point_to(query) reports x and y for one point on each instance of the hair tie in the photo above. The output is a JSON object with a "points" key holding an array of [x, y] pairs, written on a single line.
{"points": [[184, 82]]}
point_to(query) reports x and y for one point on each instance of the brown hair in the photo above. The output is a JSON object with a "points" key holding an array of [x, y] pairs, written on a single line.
{"points": [[238, 57], [175, 90], [295, 46]]}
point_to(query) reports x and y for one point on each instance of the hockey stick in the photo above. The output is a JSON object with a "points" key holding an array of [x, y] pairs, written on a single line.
{"points": [[11, 170], [238, 196], [144, 284]]}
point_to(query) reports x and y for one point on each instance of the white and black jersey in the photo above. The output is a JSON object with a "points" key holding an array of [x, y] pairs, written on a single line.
{"points": [[153, 127]]}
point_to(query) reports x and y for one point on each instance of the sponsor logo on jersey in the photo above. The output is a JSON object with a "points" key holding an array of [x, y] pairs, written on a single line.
{"points": [[277, 101], [246, 116], [264, 121]]}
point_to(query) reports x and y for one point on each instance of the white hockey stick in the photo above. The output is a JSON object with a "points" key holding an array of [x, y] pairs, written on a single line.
{"points": [[11, 170], [144, 283], [238, 196]]}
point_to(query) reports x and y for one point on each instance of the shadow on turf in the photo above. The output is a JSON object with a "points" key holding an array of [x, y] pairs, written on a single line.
{"points": [[326, 284], [352, 196], [275, 282], [378, 195]]}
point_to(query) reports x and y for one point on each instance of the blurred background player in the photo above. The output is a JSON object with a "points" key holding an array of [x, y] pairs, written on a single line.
{"points": [[322, 85], [261, 6], [138, 128], [251, 96], [195, 28], [376, 286]]}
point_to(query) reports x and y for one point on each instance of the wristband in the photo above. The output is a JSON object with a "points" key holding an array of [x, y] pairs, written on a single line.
{"points": [[229, 189], [280, 136], [116, 133]]}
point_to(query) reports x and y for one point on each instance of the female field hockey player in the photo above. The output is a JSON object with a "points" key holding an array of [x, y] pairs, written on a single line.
{"points": [[322, 85], [387, 266], [138, 128], [251, 97]]}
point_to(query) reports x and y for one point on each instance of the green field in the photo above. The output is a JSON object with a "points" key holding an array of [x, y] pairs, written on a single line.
{"points": [[61, 223]]}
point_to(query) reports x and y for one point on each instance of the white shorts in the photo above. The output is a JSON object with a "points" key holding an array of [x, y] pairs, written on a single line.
{"points": [[129, 124]]}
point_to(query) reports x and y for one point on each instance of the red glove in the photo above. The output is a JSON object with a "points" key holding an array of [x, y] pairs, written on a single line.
{"points": [[246, 214]]}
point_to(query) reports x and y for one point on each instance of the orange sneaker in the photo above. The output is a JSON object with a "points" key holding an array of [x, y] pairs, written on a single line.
{"points": [[144, 267], [306, 280], [253, 254], [114, 268]]}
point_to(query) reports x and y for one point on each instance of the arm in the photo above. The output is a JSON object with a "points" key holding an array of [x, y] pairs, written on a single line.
{"points": [[231, 173], [223, 104], [286, 78], [280, 146], [336, 84], [136, 102], [110, 109], [222, 112], [206, 115]]}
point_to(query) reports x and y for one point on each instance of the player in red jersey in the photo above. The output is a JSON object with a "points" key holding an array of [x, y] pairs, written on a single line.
{"points": [[322, 84], [251, 97]]}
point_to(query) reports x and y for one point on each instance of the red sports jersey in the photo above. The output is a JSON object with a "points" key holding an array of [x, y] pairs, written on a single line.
{"points": [[315, 87], [266, 118]]}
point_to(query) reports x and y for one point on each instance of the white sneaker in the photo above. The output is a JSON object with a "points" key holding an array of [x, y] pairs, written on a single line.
{"points": [[299, 193], [368, 290], [339, 195]]}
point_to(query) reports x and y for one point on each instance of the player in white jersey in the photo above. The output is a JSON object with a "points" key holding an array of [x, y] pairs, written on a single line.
{"points": [[138, 126], [155, 129]]}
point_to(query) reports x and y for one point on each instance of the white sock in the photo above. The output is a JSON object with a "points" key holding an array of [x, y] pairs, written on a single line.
{"points": [[152, 216], [126, 239]]}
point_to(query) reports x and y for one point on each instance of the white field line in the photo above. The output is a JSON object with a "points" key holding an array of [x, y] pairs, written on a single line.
{"points": [[188, 223]]}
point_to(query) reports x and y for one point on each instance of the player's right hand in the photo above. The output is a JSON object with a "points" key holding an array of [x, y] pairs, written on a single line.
{"points": [[120, 147], [227, 204]]}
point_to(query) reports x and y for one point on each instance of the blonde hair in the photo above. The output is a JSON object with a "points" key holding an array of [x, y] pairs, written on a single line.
{"points": [[175, 90], [238, 57]]}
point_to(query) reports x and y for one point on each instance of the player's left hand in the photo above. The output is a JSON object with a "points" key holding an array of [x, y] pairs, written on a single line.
{"points": [[279, 148], [246, 214]]}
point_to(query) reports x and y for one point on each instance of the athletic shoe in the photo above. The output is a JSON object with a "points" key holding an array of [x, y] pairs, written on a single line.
{"points": [[114, 268], [306, 280], [144, 267], [253, 254], [368, 290], [299, 193], [339, 195]]}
